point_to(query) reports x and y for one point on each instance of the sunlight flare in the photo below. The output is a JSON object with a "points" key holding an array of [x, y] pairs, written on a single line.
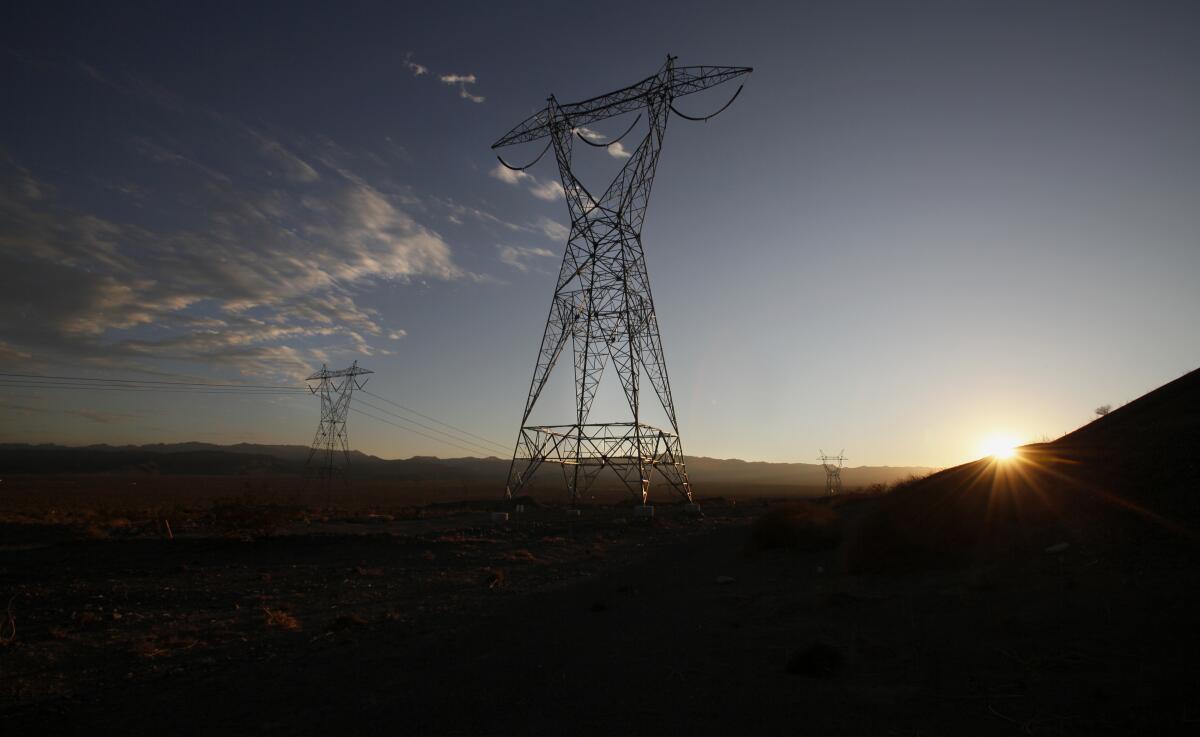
{"points": [[1000, 447]]}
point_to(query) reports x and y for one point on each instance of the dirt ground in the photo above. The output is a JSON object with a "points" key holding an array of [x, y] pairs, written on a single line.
{"points": [[601, 624]]}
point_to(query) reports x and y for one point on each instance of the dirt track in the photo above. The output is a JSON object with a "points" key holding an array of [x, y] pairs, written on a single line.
{"points": [[642, 638]]}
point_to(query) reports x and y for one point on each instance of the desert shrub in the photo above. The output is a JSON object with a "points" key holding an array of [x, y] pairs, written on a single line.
{"points": [[797, 526], [279, 619]]}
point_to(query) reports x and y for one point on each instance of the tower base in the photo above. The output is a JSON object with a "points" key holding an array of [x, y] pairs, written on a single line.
{"points": [[631, 450]]}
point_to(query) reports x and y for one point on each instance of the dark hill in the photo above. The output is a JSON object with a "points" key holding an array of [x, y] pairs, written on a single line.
{"points": [[1137, 468]]}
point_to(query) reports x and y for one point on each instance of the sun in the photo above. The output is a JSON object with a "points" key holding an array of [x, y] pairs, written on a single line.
{"points": [[1000, 447]]}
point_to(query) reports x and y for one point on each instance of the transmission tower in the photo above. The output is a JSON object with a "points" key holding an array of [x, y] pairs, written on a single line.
{"points": [[602, 300], [330, 452], [833, 473]]}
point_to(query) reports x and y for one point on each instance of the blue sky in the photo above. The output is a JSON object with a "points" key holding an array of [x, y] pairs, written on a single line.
{"points": [[920, 224]]}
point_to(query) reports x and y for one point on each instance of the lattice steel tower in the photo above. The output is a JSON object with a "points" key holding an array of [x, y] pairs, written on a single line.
{"points": [[833, 473], [330, 452], [602, 300]]}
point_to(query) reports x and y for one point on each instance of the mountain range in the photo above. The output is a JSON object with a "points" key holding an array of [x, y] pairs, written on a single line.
{"points": [[250, 459]]}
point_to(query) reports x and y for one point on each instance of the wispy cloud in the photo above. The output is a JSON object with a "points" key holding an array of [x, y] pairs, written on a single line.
{"points": [[456, 80], [462, 80], [416, 69], [508, 176], [519, 257], [548, 189], [552, 229], [263, 278], [616, 149]]}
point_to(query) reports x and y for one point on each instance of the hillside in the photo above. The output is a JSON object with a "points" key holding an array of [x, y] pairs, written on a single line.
{"points": [[1136, 468]]}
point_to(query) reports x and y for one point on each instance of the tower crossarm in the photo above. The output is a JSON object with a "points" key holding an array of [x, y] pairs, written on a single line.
{"points": [[327, 374], [673, 82]]}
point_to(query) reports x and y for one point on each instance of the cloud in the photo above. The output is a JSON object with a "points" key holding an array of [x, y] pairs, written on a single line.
{"points": [[293, 167], [457, 80], [552, 229], [506, 175], [258, 276], [549, 190], [616, 149], [519, 257], [462, 80], [416, 69], [462, 92]]}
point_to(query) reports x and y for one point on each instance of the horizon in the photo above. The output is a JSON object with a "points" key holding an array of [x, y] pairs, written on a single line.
{"points": [[918, 231], [420, 457]]}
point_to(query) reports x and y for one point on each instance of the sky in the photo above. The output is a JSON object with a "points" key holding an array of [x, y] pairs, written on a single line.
{"points": [[919, 226]]}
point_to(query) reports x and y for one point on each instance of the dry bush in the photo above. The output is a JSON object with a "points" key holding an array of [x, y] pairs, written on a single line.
{"points": [[279, 619], [154, 646], [797, 526], [524, 555]]}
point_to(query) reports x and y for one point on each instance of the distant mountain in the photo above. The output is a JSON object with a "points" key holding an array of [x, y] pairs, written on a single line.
{"points": [[252, 459]]}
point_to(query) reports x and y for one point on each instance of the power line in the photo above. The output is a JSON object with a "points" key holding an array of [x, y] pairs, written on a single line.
{"points": [[12, 380], [409, 429], [478, 447], [154, 381], [504, 448], [137, 389]]}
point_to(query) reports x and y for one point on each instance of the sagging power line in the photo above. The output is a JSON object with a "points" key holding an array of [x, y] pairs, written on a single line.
{"points": [[453, 436]]}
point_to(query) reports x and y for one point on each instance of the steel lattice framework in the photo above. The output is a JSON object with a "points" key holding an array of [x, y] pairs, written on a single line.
{"points": [[602, 302], [329, 456], [833, 473]]}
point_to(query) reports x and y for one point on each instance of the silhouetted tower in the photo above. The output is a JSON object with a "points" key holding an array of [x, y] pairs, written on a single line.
{"points": [[330, 452], [833, 473], [602, 302]]}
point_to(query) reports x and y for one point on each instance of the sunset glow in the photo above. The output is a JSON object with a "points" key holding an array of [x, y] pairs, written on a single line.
{"points": [[1000, 447]]}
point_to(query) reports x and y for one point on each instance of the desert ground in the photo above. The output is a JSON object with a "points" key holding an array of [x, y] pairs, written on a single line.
{"points": [[1055, 594], [452, 624]]}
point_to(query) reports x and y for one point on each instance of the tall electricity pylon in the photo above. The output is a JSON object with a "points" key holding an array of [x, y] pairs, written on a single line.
{"points": [[330, 452], [602, 300], [833, 473]]}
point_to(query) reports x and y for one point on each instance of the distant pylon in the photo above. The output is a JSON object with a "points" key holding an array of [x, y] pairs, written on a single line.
{"points": [[833, 473], [330, 452]]}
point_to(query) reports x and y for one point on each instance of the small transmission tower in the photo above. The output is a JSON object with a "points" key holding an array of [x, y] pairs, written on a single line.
{"points": [[833, 473], [602, 301], [330, 452]]}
